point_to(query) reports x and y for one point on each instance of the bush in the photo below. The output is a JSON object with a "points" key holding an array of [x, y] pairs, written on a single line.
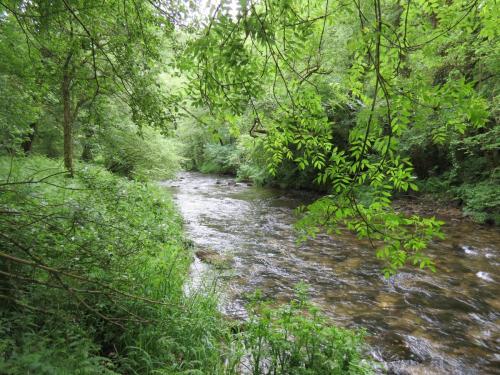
{"points": [[60, 349], [192, 139], [252, 160], [219, 158], [92, 273], [144, 156], [296, 339], [481, 200]]}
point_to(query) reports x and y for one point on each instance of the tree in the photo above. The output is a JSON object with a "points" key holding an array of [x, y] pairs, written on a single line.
{"points": [[20, 92], [85, 49]]}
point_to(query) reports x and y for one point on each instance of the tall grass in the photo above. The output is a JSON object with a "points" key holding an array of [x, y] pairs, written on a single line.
{"points": [[98, 262]]}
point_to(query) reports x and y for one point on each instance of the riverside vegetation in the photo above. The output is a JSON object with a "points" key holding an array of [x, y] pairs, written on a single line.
{"points": [[363, 101]]}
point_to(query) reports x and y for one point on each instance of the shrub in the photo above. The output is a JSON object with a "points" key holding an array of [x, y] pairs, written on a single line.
{"points": [[144, 156], [252, 160], [481, 200], [296, 339], [60, 348], [192, 138], [93, 268], [219, 158]]}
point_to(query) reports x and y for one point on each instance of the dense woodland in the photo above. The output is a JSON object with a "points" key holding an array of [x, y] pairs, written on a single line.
{"points": [[363, 101]]}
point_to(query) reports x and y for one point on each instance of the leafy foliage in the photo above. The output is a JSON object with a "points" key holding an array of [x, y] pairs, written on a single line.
{"points": [[74, 53], [349, 94], [57, 349], [219, 159], [107, 257], [296, 339], [93, 275], [146, 156], [481, 200]]}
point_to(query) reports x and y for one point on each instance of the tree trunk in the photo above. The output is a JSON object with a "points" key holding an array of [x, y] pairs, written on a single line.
{"points": [[88, 149], [67, 123], [27, 144]]}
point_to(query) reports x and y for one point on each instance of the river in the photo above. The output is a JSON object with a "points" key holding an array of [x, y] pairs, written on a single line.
{"points": [[418, 322]]}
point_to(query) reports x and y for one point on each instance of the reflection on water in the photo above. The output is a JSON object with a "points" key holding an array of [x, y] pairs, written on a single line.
{"points": [[419, 322]]}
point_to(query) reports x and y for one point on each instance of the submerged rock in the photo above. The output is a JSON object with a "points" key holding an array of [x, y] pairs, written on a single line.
{"points": [[413, 368], [215, 259]]}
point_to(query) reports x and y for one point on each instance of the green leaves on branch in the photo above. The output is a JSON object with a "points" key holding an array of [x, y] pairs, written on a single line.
{"points": [[335, 89]]}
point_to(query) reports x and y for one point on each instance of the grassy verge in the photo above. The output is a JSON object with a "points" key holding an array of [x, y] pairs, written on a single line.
{"points": [[91, 277]]}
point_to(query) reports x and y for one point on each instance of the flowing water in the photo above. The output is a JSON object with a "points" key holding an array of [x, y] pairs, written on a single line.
{"points": [[418, 322]]}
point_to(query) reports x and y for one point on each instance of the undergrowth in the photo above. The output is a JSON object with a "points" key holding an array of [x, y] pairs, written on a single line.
{"points": [[296, 339], [479, 200], [91, 275]]}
